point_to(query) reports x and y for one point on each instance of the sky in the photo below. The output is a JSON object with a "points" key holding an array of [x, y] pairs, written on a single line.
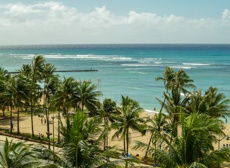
{"points": [[106, 21]]}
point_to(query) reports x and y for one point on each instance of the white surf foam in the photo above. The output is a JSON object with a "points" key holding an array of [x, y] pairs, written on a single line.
{"points": [[196, 64], [78, 57], [137, 65], [182, 67]]}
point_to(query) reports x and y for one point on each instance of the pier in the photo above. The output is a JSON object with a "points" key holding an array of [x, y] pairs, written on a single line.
{"points": [[77, 70]]}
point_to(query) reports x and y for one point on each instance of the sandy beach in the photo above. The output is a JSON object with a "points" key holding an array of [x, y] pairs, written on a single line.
{"points": [[40, 127]]}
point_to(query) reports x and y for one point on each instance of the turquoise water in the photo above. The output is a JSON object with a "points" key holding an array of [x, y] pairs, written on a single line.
{"points": [[130, 69]]}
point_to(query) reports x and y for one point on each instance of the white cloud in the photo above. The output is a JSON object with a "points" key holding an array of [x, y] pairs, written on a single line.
{"points": [[19, 9], [53, 22], [226, 14]]}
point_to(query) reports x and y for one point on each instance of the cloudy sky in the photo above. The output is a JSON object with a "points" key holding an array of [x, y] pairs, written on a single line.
{"points": [[114, 21]]}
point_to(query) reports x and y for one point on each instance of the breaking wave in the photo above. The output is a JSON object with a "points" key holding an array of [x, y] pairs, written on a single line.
{"points": [[78, 57]]}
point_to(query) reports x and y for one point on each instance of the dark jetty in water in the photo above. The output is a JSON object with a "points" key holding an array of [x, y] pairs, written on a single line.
{"points": [[79, 70]]}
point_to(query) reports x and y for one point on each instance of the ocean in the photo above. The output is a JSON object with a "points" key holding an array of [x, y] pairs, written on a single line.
{"points": [[130, 69]]}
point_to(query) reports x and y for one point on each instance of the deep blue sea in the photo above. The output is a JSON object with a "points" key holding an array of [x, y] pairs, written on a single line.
{"points": [[130, 69]]}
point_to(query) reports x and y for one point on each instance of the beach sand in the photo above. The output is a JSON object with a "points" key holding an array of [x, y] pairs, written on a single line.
{"points": [[40, 127]]}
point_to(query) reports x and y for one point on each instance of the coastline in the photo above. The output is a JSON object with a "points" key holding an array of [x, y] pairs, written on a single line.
{"points": [[131, 69], [40, 128]]}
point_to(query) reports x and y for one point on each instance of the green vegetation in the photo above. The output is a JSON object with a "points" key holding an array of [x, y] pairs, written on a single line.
{"points": [[17, 155], [182, 135]]}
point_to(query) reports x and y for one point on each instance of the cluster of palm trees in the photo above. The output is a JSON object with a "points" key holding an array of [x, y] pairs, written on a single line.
{"points": [[182, 134], [198, 117]]}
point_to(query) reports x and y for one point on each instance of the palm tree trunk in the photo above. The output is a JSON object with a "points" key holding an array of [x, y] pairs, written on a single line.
{"points": [[82, 107], [45, 106], [155, 149], [162, 105], [105, 136], [48, 127], [124, 143], [175, 126], [127, 141], [59, 118], [31, 115], [150, 140], [11, 120], [76, 157], [18, 129]]}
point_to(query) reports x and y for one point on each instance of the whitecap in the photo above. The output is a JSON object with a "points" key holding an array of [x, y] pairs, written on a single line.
{"points": [[135, 88], [90, 57], [135, 72], [131, 69], [137, 65], [148, 60], [196, 64], [182, 67]]}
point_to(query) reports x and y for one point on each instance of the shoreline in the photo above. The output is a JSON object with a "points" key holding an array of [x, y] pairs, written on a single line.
{"points": [[40, 128]]}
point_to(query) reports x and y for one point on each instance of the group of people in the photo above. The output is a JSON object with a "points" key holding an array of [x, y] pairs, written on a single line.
{"points": [[40, 136], [43, 120]]}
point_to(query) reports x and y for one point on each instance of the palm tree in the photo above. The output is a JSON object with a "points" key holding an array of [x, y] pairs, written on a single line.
{"points": [[4, 77], [128, 118], [17, 155], [87, 96], [37, 67], [168, 78], [218, 104], [108, 108], [156, 125], [26, 70], [176, 85], [15, 95], [20, 92], [194, 148], [81, 139], [8, 98], [63, 98], [50, 86], [212, 103]]}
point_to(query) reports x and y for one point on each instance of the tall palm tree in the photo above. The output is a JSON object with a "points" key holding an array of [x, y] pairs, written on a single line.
{"points": [[211, 103], [156, 125], [8, 98], [176, 95], [62, 99], [15, 95], [218, 104], [20, 91], [50, 86], [108, 108], [26, 70], [4, 77], [128, 118], [168, 78], [87, 96], [37, 67], [81, 139], [194, 148], [17, 155]]}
